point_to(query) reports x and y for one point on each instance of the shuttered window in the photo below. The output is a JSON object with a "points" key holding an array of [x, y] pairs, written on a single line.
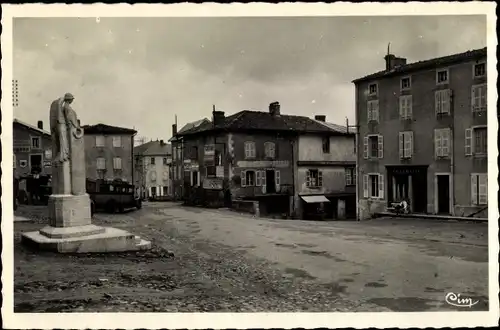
{"points": [[442, 101], [405, 106], [479, 98], [405, 144], [479, 189]]}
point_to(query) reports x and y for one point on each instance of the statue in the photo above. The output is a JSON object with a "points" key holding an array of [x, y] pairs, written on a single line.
{"points": [[68, 177]]}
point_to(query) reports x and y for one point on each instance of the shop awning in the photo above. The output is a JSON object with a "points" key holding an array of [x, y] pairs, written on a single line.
{"points": [[315, 199]]}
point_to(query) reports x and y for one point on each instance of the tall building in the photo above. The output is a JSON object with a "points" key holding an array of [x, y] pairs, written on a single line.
{"points": [[109, 152], [423, 135], [153, 161]]}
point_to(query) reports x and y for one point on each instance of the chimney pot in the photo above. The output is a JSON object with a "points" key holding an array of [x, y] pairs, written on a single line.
{"points": [[218, 117], [40, 124], [274, 109], [391, 61], [320, 118], [174, 129]]}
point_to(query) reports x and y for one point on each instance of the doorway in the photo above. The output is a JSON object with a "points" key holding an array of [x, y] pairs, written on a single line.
{"points": [[270, 182], [443, 194], [36, 163]]}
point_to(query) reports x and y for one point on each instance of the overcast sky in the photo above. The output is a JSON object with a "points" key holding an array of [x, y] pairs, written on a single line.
{"points": [[140, 72]]}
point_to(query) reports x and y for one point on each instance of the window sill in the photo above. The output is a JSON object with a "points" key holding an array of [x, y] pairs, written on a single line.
{"points": [[314, 187], [481, 155]]}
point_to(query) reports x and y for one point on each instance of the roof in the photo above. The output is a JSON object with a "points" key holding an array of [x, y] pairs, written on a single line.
{"points": [[107, 129], [189, 126], [338, 128], [264, 121], [153, 148], [427, 64], [31, 127]]}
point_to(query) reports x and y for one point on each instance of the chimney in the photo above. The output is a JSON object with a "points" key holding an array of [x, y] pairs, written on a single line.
{"points": [[391, 62], [274, 109], [40, 124], [162, 142], [320, 118], [174, 129], [218, 117]]}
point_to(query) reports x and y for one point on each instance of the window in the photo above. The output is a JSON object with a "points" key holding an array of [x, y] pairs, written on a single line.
{"points": [[405, 83], [479, 189], [373, 113], [479, 70], [373, 146], [326, 145], [442, 101], [195, 179], [165, 190], [249, 149], [209, 149], [372, 89], [117, 163], [476, 141], [442, 142], [101, 163], [405, 144], [260, 179], [35, 142], [23, 163], [153, 191], [479, 98], [99, 141], [373, 186], [248, 178], [117, 141], [165, 161], [270, 149], [442, 77], [405, 106], [211, 171], [218, 158], [152, 161], [350, 176], [314, 179]]}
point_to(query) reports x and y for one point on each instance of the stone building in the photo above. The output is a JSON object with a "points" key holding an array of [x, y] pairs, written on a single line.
{"points": [[109, 153], [32, 148], [153, 161], [326, 172], [247, 156], [423, 135]]}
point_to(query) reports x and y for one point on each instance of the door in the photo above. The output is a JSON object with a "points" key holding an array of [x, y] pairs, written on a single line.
{"points": [[270, 182], [36, 163], [443, 187]]}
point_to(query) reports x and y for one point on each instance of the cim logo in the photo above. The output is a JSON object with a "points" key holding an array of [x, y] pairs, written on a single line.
{"points": [[456, 300]]}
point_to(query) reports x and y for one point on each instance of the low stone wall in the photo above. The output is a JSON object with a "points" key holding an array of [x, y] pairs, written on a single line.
{"points": [[465, 211], [246, 206], [367, 208]]}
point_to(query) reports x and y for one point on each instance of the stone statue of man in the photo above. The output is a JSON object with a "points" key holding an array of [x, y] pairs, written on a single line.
{"points": [[68, 175]]}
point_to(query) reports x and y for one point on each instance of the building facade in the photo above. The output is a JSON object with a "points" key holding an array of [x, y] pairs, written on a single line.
{"points": [[32, 148], [423, 136], [153, 162], [249, 156], [109, 153], [326, 171]]}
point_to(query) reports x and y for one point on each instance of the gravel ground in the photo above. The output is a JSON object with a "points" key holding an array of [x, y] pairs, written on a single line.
{"points": [[221, 261]]}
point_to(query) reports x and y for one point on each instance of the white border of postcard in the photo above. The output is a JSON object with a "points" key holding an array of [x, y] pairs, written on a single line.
{"points": [[244, 320]]}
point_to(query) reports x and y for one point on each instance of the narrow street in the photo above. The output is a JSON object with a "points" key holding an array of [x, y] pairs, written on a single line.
{"points": [[225, 261]]}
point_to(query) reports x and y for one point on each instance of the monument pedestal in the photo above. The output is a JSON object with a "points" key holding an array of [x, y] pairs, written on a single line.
{"points": [[70, 230]]}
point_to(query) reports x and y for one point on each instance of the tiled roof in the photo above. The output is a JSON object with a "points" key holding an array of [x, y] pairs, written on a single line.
{"points": [[427, 64], [29, 126], [107, 129], [153, 148], [189, 126], [338, 128], [264, 121]]}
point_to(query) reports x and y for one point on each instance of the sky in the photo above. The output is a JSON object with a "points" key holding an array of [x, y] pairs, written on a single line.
{"points": [[141, 72]]}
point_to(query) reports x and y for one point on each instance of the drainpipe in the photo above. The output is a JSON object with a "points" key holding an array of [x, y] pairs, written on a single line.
{"points": [[452, 158]]}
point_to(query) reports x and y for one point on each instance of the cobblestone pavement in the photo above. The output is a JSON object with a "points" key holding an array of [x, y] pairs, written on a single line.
{"points": [[225, 261]]}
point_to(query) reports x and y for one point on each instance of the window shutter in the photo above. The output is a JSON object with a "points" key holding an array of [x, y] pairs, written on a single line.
{"points": [[410, 142], [445, 143], [257, 178], [263, 178], [401, 145], [278, 177], [375, 111], [320, 178], [381, 186], [369, 111], [380, 146], [409, 107], [348, 178], [483, 189], [243, 178], [473, 189], [468, 141], [447, 101], [437, 101], [191, 177], [437, 143], [308, 179], [365, 185], [474, 98], [401, 107], [365, 147], [484, 97]]}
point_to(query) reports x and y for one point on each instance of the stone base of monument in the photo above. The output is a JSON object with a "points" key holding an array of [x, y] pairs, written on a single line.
{"points": [[71, 230]]}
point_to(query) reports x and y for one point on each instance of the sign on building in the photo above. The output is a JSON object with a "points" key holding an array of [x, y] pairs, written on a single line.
{"points": [[212, 183]]}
